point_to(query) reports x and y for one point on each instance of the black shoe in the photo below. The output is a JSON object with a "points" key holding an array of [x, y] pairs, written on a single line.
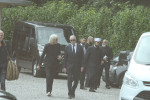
{"points": [[69, 97], [73, 95], [82, 87], [92, 90], [108, 87]]}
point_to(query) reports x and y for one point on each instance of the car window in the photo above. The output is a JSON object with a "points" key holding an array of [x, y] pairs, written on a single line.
{"points": [[142, 53], [45, 32], [116, 58]]}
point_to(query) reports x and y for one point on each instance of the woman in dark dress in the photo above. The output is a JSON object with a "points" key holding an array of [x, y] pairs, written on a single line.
{"points": [[51, 62]]}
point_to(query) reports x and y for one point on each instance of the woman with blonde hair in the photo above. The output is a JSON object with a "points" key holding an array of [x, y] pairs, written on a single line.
{"points": [[51, 61]]}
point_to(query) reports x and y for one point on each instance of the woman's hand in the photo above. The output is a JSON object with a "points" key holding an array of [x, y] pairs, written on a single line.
{"points": [[59, 57]]}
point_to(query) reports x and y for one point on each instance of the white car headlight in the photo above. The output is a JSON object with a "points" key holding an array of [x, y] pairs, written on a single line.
{"points": [[130, 81]]}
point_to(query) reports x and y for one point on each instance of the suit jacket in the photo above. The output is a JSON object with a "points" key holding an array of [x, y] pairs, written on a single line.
{"points": [[73, 62], [51, 53], [108, 52], [87, 45]]}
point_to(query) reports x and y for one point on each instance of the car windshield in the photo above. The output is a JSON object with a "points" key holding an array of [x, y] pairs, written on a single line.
{"points": [[45, 32], [142, 54]]}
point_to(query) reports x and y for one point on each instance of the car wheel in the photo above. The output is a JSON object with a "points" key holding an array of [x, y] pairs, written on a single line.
{"points": [[35, 71], [120, 81]]}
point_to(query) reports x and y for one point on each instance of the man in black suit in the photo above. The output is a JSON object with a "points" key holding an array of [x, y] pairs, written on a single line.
{"points": [[89, 42], [107, 56], [73, 61], [82, 78]]}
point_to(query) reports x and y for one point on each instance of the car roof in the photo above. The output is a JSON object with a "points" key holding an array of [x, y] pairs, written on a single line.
{"points": [[43, 24], [146, 34]]}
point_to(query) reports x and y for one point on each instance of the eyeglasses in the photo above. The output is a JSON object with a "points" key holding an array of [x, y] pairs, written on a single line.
{"points": [[72, 40]]}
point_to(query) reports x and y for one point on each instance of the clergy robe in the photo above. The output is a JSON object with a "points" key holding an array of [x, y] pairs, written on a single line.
{"points": [[92, 63]]}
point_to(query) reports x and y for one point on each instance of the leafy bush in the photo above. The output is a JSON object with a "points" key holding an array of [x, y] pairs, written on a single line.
{"points": [[121, 24]]}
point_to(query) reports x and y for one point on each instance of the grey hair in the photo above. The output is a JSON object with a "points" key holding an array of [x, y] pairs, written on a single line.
{"points": [[72, 36], [53, 39], [90, 37], [2, 32]]}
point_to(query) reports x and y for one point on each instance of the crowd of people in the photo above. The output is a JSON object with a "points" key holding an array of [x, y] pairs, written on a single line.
{"points": [[82, 61]]}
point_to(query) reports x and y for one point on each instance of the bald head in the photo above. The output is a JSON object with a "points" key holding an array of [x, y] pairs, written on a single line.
{"points": [[105, 42], [90, 39], [1, 35]]}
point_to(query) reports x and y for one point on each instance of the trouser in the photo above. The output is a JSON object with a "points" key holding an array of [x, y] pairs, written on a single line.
{"points": [[50, 74], [107, 67], [82, 78], [2, 78], [73, 77]]}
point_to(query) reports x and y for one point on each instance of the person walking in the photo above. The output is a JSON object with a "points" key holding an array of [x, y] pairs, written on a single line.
{"points": [[51, 62], [107, 56], [82, 77], [89, 42], [73, 65], [92, 63], [4, 47]]}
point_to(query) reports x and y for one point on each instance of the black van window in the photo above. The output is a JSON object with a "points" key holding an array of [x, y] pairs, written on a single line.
{"points": [[45, 32], [68, 32]]}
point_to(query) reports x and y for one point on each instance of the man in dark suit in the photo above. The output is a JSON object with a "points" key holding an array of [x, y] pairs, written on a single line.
{"points": [[4, 53], [73, 61], [107, 56], [82, 77], [89, 42]]}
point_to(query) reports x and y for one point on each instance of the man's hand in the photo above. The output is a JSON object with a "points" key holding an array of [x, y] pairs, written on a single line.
{"points": [[105, 59], [64, 70], [38, 67], [59, 57], [82, 69], [102, 62]]}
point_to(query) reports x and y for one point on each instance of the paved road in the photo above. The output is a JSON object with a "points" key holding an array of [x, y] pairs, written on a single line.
{"points": [[28, 87]]}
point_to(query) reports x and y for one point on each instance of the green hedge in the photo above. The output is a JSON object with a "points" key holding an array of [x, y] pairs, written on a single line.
{"points": [[121, 24]]}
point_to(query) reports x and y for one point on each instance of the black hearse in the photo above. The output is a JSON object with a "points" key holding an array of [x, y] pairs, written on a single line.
{"points": [[29, 39]]}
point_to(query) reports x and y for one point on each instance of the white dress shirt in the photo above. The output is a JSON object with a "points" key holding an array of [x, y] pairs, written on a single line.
{"points": [[75, 47]]}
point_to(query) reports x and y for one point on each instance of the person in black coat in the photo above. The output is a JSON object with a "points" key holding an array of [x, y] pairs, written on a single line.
{"points": [[107, 56], [73, 62], [89, 42], [4, 50], [82, 77], [92, 63], [51, 61]]}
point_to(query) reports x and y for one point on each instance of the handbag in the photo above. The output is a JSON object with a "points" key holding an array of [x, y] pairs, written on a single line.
{"points": [[12, 69]]}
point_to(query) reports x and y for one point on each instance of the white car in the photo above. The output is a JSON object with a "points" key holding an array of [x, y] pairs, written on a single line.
{"points": [[136, 82]]}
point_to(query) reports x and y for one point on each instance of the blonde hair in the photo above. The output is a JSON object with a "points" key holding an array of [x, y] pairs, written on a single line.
{"points": [[53, 39]]}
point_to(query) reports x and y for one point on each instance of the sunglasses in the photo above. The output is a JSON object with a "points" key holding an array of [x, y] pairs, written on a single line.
{"points": [[72, 40]]}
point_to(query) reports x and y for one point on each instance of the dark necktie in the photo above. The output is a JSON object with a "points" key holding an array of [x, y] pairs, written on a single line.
{"points": [[73, 50]]}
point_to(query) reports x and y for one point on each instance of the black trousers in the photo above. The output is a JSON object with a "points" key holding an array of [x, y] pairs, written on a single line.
{"points": [[82, 78], [73, 78], [2, 78], [106, 65], [50, 75]]}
